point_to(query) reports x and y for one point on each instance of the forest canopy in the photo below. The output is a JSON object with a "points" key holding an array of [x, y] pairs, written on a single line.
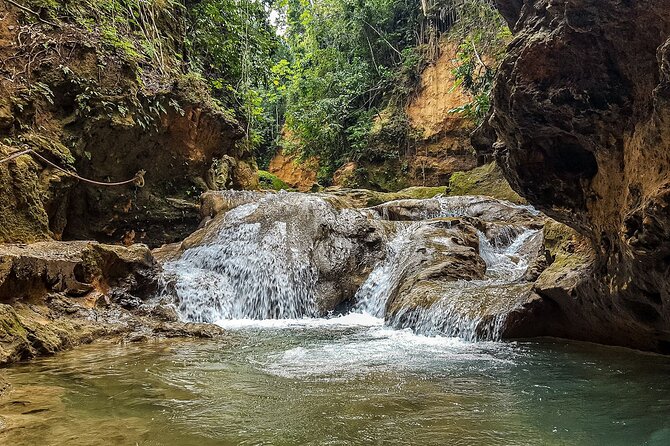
{"points": [[310, 76]]}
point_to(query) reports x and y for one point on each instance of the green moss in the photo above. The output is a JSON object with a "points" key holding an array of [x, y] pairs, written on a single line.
{"points": [[10, 326], [420, 192], [267, 180], [557, 235], [22, 214], [111, 37], [484, 180], [367, 198], [567, 248], [390, 176]]}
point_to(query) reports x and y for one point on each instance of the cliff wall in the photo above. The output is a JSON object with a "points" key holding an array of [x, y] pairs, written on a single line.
{"points": [[581, 129]]}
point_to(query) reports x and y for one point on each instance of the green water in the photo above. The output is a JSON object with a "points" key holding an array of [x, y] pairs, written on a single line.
{"points": [[338, 384]]}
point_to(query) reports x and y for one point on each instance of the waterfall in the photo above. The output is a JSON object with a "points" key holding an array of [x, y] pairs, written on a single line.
{"points": [[472, 310], [248, 271], [263, 259], [371, 297]]}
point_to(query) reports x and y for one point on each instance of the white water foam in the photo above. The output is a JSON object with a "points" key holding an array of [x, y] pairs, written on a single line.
{"points": [[347, 320], [468, 309], [372, 296], [249, 271], [375, 350], [260, 275]]}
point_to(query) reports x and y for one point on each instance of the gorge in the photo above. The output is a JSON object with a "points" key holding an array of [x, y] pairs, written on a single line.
{"points": [[515, 294]]}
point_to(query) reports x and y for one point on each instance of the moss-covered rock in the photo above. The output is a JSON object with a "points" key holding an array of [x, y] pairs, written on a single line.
{"points": [[102, 101], [33, 194], [567, 249], [267, 180], [368, 198], [483, 180]]}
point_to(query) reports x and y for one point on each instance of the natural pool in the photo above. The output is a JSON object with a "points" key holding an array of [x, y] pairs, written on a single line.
{"points": [[345, 381]]}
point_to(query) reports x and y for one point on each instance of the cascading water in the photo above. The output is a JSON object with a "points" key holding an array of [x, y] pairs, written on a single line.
{"points": [[371, 297], [249, 271], [259, 270], [471, 310]]}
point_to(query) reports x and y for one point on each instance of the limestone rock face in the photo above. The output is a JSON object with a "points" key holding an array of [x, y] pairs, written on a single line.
{"points": [[29, 272], [107, 125], [298, 174], [581, 128], [55, 295], [43, 285]]}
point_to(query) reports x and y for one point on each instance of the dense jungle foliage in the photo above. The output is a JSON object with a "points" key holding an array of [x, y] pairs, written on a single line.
{"points": [[312, 76], [309, 76]]}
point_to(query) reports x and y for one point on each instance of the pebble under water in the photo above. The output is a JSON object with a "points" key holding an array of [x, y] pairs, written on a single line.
{"points": [[343, 381]]}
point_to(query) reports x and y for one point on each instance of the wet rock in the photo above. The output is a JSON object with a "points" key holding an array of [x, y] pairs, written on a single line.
{"points": [[581, 109], [360, 198], [302, 255], [165, 313], [74, 269], [436, 252], [54, 295], [484, 208], [29, 330], [188, 330], [213, 204], [445, 277]]}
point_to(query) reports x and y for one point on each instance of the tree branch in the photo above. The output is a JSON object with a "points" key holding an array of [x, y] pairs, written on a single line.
{"points": [[30, 11]]}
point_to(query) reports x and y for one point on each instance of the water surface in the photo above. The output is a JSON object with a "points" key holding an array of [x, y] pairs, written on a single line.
{"points": [[348, 381]]}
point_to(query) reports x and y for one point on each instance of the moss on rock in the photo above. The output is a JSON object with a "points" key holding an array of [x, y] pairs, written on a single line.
{"points": [[566, 247], [483, 180], [369, 198], [267, 180]]}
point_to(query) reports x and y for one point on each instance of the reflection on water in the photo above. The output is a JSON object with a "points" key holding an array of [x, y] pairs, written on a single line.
{"points": [[348, 381]]}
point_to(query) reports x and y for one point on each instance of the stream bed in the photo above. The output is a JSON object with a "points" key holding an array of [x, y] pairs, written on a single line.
{"points": [[341, 381], [415, 358]]}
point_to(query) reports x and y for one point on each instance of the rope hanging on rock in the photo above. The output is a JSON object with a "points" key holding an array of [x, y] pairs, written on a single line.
{"points": [[137, 180]]}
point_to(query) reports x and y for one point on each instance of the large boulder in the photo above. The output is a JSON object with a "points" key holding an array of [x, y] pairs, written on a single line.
{"points": [[279, 255], [30, 272], [433, 253], [49, 293], [581, 129]]}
